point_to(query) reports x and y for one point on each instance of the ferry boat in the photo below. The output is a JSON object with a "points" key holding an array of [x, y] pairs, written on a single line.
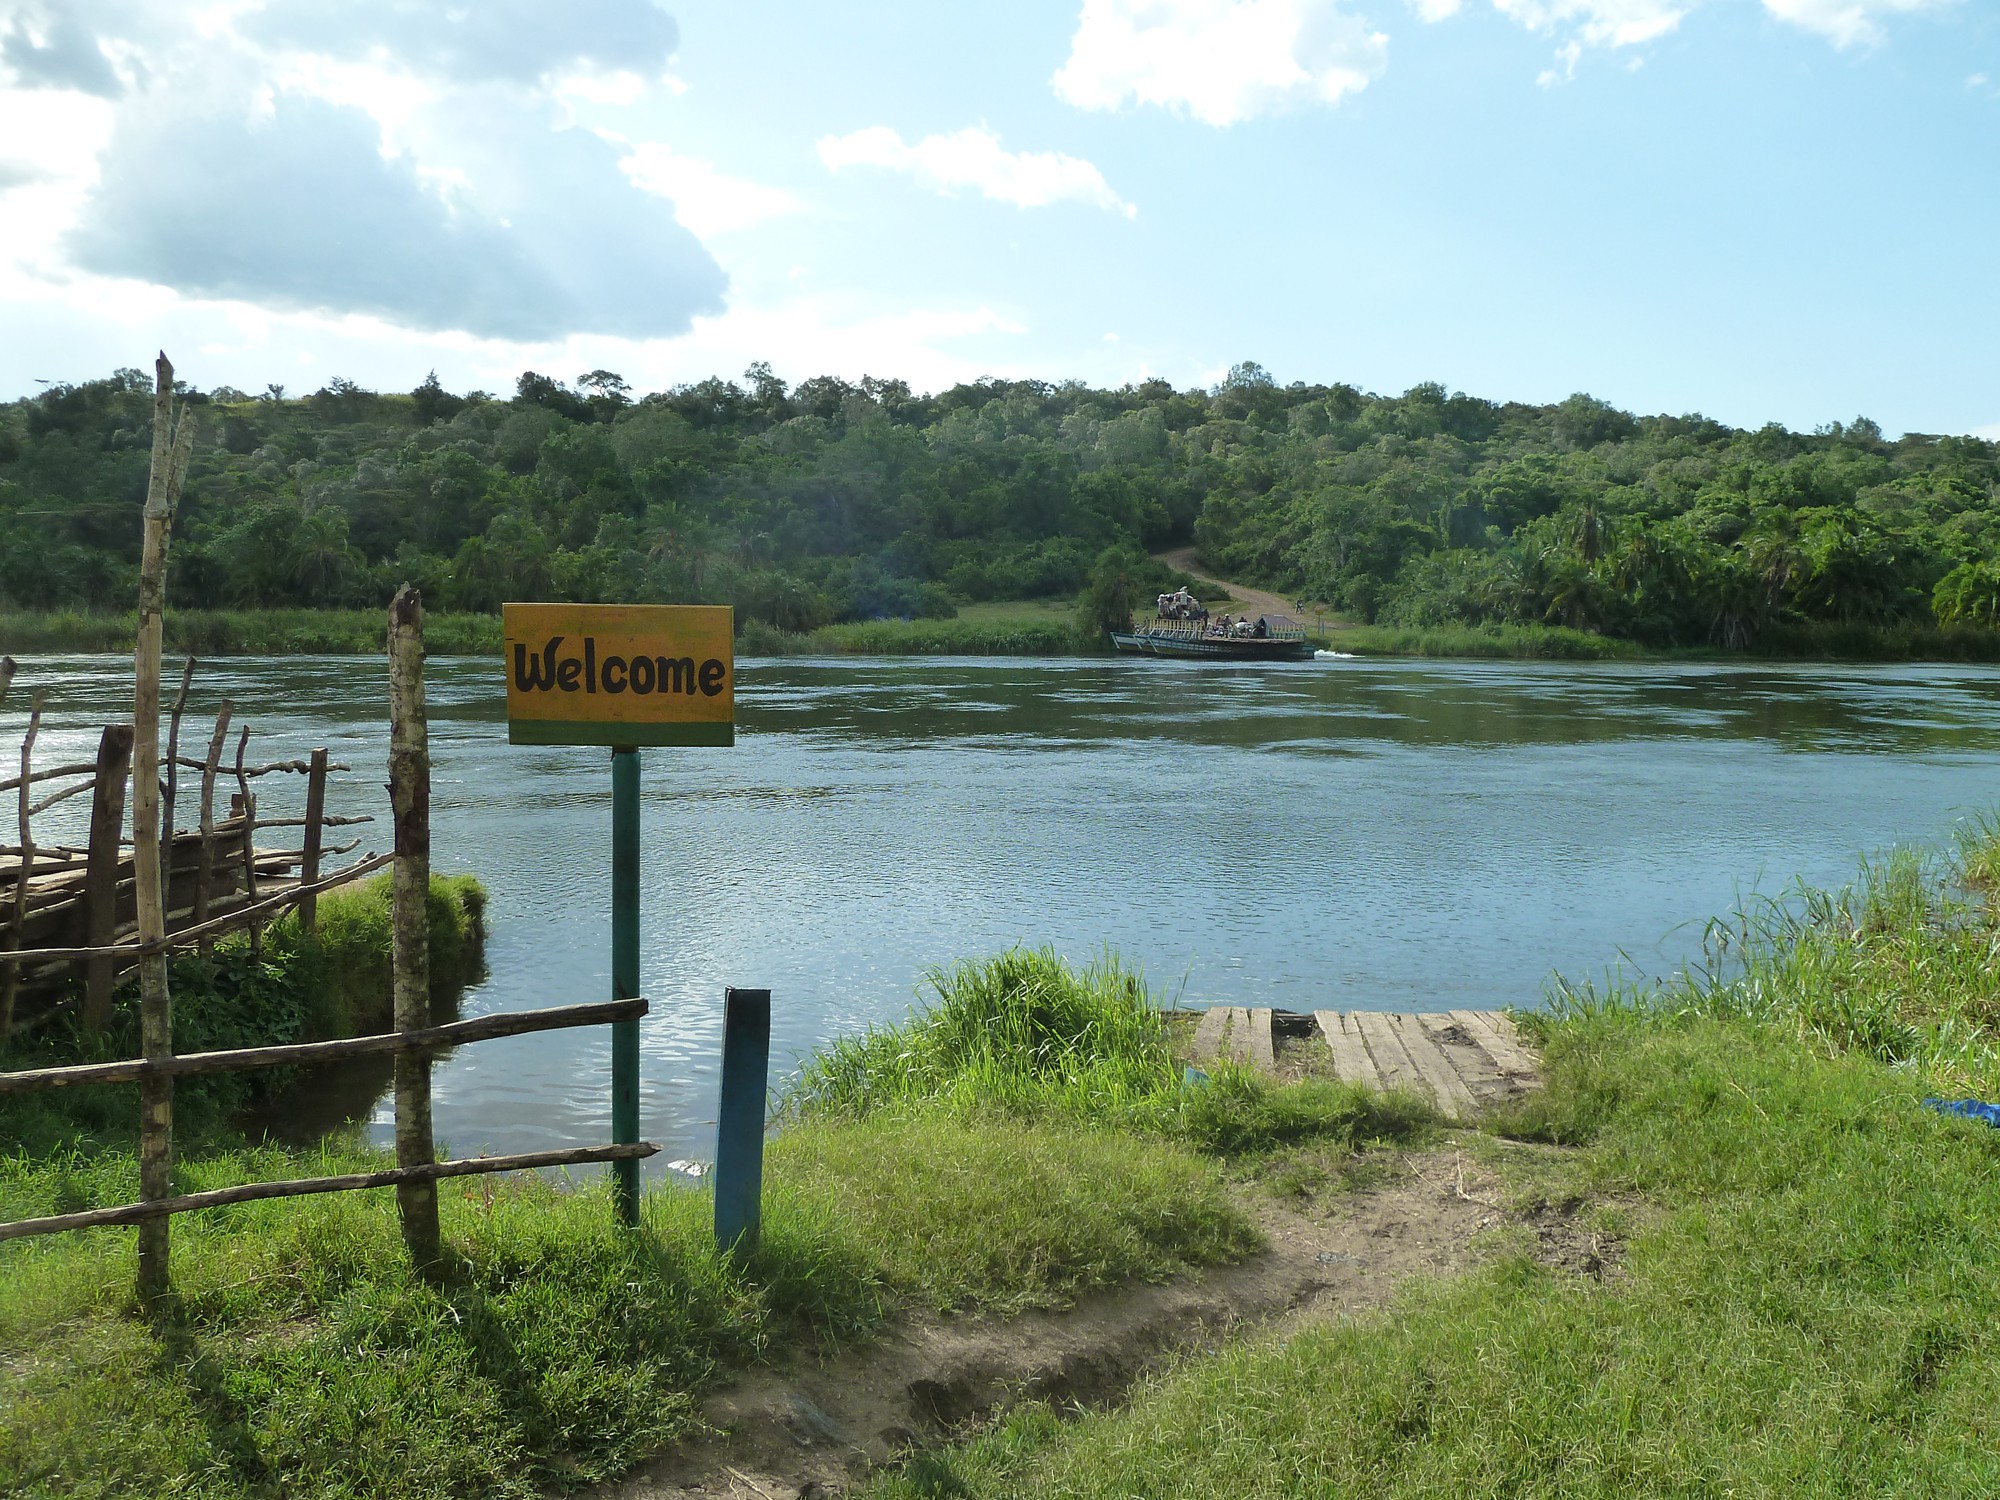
{"points": [[1267, 638]]}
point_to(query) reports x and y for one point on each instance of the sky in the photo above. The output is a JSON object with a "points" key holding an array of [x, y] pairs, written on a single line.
{"points": [[1763, 210]]}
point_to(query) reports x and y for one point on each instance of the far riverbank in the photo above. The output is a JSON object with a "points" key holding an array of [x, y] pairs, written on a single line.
{"points": [[1016, 628]]}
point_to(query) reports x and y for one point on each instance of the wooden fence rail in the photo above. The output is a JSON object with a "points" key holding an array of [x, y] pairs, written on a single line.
{"points": [[426, 1040], [212, 928], [159, 1208], [438, 1038], [68, 913]]}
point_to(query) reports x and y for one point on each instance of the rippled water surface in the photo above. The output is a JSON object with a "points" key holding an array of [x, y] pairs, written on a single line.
{"points": [[1397, 835]]}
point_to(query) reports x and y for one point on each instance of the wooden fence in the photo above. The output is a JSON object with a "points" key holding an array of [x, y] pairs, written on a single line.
{"points": [[68, 912], [89, 883], [214, 880], [425, 1042]]}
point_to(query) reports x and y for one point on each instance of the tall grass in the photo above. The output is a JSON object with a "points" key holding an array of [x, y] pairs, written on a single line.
{"points": [[249, 632], [1901, 642], [350, 953], [1519, 642], [919, 638], [1903, 966], [1025, 1033]]}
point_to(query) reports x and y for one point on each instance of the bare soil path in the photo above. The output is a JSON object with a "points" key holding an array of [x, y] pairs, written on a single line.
{"points": [[816, 1429], [1248, 600]]}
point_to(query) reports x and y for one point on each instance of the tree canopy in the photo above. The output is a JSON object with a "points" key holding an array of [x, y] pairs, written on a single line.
{"points": [[834, 500]]}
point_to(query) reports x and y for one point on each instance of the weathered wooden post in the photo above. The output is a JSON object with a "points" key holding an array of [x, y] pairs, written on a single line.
{"points": [[101, 872], [309, 856], [739, 1126], [10, 982], [204, 864], [8, 666], [172, 446], [249, 803], [410, 802], [173, 787]]}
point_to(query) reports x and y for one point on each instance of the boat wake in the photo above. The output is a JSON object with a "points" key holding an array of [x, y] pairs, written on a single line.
{"points": [[1333, 656]]}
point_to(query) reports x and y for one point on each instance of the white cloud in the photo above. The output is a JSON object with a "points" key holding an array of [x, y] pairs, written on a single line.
{"points": [[1847, 23], [1631, 23], [620, 86], [973, 158], [395, 159], [1568, 54], [1991, 432], [706, 201], [1598, 23], [804, 336], [1221, 61]]}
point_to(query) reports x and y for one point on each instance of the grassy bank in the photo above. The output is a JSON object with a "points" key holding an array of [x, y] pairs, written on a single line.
{"points": [[1031, 627], [302, 1357], [1503, 642], [249, 632], [1029, 630], [918, 638], [334, 982], [1805, 1304]]}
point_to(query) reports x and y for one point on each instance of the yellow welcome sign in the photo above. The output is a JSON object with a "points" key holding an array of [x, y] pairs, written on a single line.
{"points": [[620, 674]]}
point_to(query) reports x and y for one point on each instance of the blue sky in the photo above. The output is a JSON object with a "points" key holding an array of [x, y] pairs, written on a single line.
{"points": [[1766, 210]]}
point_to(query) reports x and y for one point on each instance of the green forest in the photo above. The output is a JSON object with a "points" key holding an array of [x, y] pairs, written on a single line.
{"points": [[831, 501]]}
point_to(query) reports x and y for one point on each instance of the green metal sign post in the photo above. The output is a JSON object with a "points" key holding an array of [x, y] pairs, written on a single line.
{"points": [[622, 675], [625, 971]]}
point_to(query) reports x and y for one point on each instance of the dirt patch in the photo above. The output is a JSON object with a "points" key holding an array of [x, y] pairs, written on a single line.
{"points": [[813, 1429], [1572, 1235]]}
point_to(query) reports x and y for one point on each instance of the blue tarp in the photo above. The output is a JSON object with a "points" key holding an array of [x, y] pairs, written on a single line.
{"points": [[1972, 1109]]}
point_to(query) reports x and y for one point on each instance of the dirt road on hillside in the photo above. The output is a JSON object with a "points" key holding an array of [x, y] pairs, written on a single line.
{"points": [[1247, 600]]}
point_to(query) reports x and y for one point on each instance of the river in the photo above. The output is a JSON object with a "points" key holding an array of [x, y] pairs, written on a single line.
{"points": [[1344, 834]]}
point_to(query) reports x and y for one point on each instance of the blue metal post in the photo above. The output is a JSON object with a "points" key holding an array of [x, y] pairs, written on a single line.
{"points": [[625, 973], [739, 1131]]}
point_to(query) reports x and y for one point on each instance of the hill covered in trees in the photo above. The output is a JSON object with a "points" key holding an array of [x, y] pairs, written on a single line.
{"points": [[833, 501]]}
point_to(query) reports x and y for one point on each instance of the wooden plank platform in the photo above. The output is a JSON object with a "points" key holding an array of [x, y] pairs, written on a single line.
{"points": [[1462, 1060]]}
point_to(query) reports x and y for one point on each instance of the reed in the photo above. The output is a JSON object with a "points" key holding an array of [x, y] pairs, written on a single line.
{"points": [[975, 637], [1897, 966], [1499, 642], [1027, 1034], [272, 632]]}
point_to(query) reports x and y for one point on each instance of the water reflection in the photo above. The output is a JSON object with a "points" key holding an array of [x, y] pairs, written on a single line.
{"points": [[1399, 834]]}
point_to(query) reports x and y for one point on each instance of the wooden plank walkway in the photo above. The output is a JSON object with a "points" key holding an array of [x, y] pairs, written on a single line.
{"points": [[1463, 1060]]}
